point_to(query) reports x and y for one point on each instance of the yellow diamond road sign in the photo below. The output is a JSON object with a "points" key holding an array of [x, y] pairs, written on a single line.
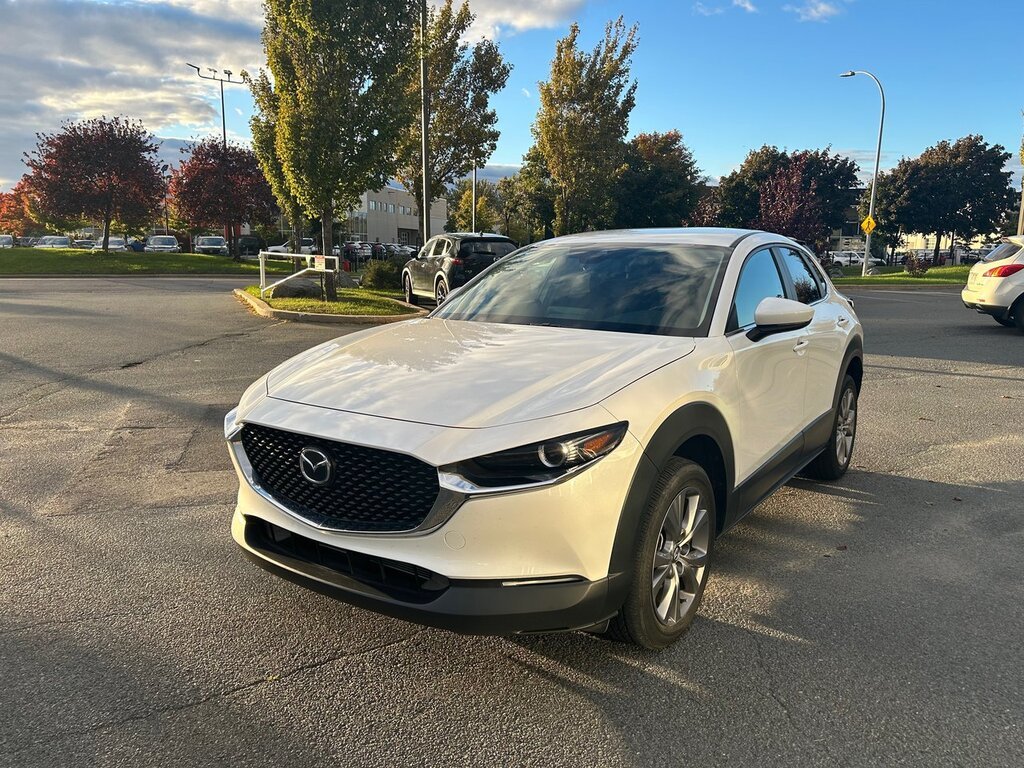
{"points": [[868, 225]]}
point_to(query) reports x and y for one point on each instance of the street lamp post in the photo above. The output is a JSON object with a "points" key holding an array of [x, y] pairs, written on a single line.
{"points": [[216, 77], [424, 123], [878, 157]]}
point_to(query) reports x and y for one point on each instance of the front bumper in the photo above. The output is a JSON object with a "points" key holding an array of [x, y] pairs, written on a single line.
{"points": [[535, 560]]}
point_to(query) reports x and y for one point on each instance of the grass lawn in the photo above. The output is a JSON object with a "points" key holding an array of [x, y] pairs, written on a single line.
{"points": [[934, 276], [351, 301], [59, 261]]}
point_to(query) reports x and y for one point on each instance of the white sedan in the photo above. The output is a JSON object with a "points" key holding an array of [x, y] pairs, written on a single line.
{"points": [[560, 443]]}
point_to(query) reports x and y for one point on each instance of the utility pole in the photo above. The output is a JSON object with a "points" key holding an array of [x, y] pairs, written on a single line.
{"points": [[1020, 217], [474, 196], [424, 123]]}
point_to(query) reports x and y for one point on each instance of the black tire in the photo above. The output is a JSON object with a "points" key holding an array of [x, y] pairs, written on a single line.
{"points": [[1006, 322], [1018, 313], [832, 463], [410, 297], [440, 291], [641, 619]]}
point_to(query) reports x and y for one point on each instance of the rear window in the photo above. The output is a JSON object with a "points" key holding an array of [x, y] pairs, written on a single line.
{"points": [[497, 248], [163, 241], [210, 241], [1002, 251]]}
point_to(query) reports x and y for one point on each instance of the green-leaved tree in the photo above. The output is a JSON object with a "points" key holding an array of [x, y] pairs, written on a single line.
{"points": [[582, 122]]}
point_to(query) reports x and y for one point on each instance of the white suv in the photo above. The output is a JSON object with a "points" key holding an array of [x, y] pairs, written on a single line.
{"points": [[995, 285], [559, 444]]}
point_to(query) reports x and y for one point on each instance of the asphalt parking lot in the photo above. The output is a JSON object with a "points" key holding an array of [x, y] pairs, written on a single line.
{"points": [[876, 621]]}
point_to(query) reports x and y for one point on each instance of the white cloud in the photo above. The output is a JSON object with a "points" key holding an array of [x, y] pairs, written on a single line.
{"points": [[814, 10], [746, 5], [704, 10]]}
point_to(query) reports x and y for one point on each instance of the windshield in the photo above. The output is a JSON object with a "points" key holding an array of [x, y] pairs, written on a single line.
{"points": [[497, 248], [163, 241], [6, 239], [1002, 251], [61, 241], [210, 241], [659, 289]]}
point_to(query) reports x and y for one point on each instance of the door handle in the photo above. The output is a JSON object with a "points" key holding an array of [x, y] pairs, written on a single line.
{"points": [[801, 346], [842, 320]]}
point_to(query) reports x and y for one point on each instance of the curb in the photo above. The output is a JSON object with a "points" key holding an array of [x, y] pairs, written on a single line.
{"points": [[263, 309]]}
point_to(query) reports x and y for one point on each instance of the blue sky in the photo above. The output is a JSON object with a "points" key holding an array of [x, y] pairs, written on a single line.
{"points": [[730, 74]]}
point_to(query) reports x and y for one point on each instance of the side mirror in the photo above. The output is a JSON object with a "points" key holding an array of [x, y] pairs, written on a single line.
{"points": [[775, 315]]}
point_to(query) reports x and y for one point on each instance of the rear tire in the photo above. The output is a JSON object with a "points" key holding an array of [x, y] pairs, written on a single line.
{"points": [[410, 297], [1006, 322], [670, 569], [440, 291], [1018, 313], [832, 463]]}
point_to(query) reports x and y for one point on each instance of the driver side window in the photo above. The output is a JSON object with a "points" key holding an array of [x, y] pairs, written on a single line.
{"points": [[759, 279]]}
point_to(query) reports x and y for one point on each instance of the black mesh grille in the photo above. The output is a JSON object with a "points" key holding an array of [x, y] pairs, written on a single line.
{"points": [[370, 489]]}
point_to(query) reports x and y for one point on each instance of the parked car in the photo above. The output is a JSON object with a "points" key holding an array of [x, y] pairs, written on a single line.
{"points": [[85, 244], [249, 245], [53, 241], [113, 244], [559, 445], [995, 285], [286, 247], [6, 241], [449, 261], [214, 245], [162, 244]]}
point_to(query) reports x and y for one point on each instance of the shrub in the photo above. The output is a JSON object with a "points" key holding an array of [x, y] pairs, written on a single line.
{"points": [[382, 275], [915, 267]]}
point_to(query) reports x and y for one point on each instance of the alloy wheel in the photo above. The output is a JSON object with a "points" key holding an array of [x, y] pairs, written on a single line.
{"points": [[846, 426], [680, 560], [441, 292]]}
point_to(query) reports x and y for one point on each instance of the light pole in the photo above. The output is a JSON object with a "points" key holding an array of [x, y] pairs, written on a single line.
{"points": [[216, 76], [878, 157], [474, 196], [424, 122]]}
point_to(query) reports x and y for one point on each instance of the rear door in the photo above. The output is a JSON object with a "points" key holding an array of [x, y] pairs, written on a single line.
{"points": [[825, 336]]}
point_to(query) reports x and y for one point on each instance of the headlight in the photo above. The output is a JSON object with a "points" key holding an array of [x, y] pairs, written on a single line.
{"points": [[534, 464], [231, 426]]}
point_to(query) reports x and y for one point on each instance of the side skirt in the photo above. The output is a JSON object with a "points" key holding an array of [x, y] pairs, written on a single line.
{"points": [[780, 469]]}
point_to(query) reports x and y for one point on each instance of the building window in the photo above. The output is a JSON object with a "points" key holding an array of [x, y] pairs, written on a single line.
{"points": [[391, 207]]}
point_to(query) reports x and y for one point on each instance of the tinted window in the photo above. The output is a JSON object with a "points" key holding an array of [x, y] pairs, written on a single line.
{"points": [[163, 241], [497, 248], [808, 289], [759, 279], [659, 289], [1002, 251]]}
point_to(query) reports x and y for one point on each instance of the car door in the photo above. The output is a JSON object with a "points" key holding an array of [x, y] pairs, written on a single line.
{"points": [[442, 250], [769, 380], [419, 267], [826, 335]]}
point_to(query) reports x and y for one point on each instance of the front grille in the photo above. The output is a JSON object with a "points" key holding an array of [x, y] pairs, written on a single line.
{"points": [[402, 581], [370, 489]]}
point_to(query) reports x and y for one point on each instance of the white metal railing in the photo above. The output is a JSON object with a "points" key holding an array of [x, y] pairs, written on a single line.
{"points": [[319, 265]]}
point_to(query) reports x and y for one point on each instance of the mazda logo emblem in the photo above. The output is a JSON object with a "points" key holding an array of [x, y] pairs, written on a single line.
{"points": [[315, 466]]}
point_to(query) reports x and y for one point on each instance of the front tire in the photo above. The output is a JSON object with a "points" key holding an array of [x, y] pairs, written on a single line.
{"points": [[670, 570], [410, 297], [832, 463]]}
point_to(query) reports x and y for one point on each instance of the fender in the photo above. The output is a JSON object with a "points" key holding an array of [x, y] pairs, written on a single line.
{"points": [[689, 421], [818, 434]]}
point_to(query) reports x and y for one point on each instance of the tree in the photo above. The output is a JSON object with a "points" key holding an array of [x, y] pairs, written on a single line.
{"points": [[96, 170], [960, 189], [263, 126], [582, 122], [708, 211], [661, 183], [791, 206], [15, 211], [220, 185], [834, 177], [460, 82], [339, 71], [460, 206]]}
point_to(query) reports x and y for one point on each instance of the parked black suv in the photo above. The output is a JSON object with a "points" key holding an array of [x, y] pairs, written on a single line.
{"points": [[448, 261]]}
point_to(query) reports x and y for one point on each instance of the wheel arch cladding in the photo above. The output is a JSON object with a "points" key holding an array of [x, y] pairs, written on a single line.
{"points": [[697, 432]]}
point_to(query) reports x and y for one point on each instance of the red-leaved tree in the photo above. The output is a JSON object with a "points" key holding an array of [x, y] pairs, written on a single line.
{"points": [[790, 205], [221, 186], [96, 170], [15, 213]]}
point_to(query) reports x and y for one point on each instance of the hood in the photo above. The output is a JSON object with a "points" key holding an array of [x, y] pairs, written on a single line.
{"points": [[468, 374]]}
